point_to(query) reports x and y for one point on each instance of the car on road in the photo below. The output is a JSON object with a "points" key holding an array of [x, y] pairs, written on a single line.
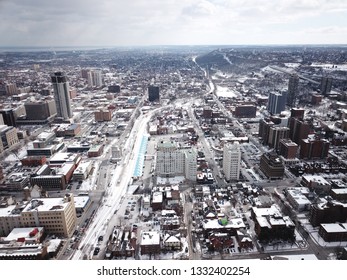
{"points": [[96, 251], [101, 238]]}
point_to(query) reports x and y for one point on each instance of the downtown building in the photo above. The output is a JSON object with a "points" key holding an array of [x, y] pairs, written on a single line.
{"points": [[276, 134], [293, 90], [326, 85], [8, 137], [39, 112], [94, 78], [271, 165], [277, 102], [232, 161], [153, 93], [61, 95], [173, 160], [55, 215], [314, 148], [298, 128]]}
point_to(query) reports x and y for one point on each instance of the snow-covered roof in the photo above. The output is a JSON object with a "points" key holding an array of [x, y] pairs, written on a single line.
{"points": [[315, 178], [273, 210], [214, 224], [150, 238], [7, 211], [81, 201], [157, 197], [46, 204], [330, 228], [53, 245], [22, 233]]}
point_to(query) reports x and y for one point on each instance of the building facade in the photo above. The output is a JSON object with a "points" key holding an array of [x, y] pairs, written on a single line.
{"points": [[277, 102], [61, 95], [232, 161]]}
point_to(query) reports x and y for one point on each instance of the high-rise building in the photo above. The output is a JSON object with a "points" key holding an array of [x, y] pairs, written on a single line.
{"points": [[271, 165], [312, 148], [11, 89], [264, 129], [288, 149], [172, 160], [277, 133], [293, 87], [94, 78], [277, 102], [232, 161], [9, 117], [84, 73], [298, 128], [40, 110], [190, 164], [8, 137], [326, 84], [61, 95], [153, 93]]}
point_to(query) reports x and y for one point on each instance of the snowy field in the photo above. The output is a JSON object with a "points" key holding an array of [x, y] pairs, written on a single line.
{"points": [[341, 67], [225, 92]]}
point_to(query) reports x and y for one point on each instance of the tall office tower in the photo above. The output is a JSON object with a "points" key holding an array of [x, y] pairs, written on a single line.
{"points": [[298, 130], [61, 95], [277, 133], [264, 129], [325, 85], [277, 102], [232, 161], [153, 93], [11, 89], [9, 117], [94, 78], [84, 73], [292, 90], [170, 159]]}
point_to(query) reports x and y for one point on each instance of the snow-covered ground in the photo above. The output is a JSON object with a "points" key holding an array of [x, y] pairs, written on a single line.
{"points": [[292, 65], [341, 67], [225, 92]]}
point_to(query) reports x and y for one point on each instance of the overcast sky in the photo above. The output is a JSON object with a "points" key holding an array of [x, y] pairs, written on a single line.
{"points": [[171, 22]]}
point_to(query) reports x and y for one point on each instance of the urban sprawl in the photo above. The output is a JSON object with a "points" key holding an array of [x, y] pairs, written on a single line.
{"points": [[174, 153]]}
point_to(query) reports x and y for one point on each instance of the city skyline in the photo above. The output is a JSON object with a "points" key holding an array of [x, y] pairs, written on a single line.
{"points": [[193, 22]]}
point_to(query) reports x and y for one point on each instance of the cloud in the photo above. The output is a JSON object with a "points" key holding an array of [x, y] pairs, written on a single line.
{"points": [[119, 22]]}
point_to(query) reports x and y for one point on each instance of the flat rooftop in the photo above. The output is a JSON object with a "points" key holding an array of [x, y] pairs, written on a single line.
{"points": [[46, 204]]}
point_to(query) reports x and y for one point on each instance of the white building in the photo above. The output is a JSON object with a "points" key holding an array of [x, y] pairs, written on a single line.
{"points": [[62, 95], [82, 171], [190, 165], [298, 200], [231, 161], [94, 78], [173, 160]]}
